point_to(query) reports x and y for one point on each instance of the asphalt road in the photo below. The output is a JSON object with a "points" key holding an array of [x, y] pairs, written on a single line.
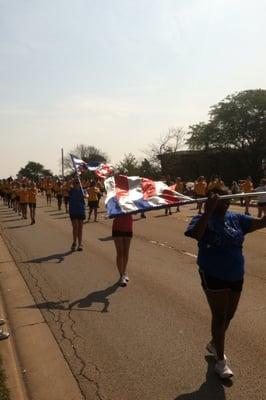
{"points": [[146, 341]]}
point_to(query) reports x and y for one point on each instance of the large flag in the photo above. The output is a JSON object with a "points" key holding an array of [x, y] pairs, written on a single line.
{"points": [[133, 194]]}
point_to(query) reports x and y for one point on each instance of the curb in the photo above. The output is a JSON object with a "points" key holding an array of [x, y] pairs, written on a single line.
{"points": [[11, 366], [46, 374]]}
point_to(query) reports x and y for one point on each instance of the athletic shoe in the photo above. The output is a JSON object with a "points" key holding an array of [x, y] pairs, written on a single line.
{"points": [[126, 277], [73, 247], [2, 321], [123, 281], [80, 247], [222, 369], [211, 349], [3, 335]]}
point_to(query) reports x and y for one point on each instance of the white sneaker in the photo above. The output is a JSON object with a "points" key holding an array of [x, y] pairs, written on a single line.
{"points": [[211, 349], [123, 281], [2, 321], [3, 335], [222, 369], [126, 277]]}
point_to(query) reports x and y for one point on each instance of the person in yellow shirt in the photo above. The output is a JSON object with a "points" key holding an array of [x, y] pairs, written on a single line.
{"points": [[216, 183], [23, 200], [247, 187], [65, 191], [49, 188], [93, 201], [32, 192], [59, 194], [200, 189], [179, 187]]}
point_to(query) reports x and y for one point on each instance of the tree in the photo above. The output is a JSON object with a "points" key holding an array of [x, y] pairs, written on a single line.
{"points": [[129, 165], [148, 170], [237, 122], [86, 153], [169, 142], [33, 171], [200, 136]]}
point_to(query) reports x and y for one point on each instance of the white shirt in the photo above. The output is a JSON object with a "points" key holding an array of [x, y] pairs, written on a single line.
{"points": [[261, 197]]}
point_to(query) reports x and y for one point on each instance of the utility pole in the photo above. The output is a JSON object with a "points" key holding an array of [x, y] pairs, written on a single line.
{"points": [[62, 155]]}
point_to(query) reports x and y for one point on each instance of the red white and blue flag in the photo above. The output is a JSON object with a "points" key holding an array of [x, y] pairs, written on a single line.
{"points": [[100, 169], [133, 194], [104, 171]]}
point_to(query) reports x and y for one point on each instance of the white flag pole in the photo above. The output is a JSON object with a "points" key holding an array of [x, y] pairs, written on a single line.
{"points": [[75, 168], [223, 197]]}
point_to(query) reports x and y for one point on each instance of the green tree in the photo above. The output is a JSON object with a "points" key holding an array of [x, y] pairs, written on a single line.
{"points": [[33, 170], [148, 170], [129, 165], [237, 122]]}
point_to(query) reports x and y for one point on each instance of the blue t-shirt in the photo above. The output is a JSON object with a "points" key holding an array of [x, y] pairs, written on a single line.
{"points": [[220, 249], [76, 202]]}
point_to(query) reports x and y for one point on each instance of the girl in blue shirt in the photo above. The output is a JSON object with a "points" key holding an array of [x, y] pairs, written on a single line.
{"points": [[77, 213], [220, 235]]}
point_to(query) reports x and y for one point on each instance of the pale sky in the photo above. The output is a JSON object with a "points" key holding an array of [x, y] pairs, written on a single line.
{"points": [[116, 74]]}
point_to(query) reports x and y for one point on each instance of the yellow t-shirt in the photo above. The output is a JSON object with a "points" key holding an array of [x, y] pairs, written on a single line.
{"points": [[179, 186], [32, 195], [93, 193], [200, 188], [247, 186], [23, 196]]}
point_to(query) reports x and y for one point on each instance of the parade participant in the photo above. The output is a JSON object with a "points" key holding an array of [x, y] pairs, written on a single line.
{"points": [[77, 213], [261, 198], [59, 195], [179, 187], [23, 200], [200, 189], [220, 235], [168, 182], [247, 187], [215, 183], [93, 201], [65, 191], [235, 189], [32, 192], [49, 187], [122, 234]]}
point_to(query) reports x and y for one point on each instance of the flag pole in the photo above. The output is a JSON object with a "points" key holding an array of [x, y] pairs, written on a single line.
{"points": [[75, 168]]}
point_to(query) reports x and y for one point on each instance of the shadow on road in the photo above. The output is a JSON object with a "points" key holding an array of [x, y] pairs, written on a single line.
{"points": [[11, 220], [211, 389], [106, 238], [53, 257], [18, 226], [100, 296]]}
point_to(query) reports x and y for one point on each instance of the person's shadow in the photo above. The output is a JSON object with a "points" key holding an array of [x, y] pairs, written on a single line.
{"points": [[53, 257], [100, 296], [212, 388]]}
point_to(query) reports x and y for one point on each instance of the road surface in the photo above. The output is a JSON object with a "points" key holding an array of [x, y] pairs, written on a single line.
{"points": [[146, 341]]}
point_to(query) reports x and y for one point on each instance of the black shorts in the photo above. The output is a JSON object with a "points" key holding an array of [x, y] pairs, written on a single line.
{"points": [[122, 234], [32, 205], [80, 217], [93, 204], [214, 284]]}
